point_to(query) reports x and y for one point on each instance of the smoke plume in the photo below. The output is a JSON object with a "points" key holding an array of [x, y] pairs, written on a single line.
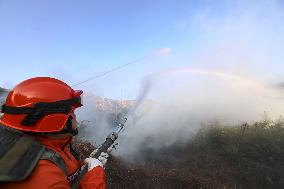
{"points": [[232, 77]]}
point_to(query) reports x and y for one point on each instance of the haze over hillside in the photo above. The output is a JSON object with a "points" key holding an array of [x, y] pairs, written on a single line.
{"points": [[183, 102], [3, 94]]}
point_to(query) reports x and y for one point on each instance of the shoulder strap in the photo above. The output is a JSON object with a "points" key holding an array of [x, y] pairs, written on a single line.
{"points": [[55, 158], [74, 152], [19, 155]]}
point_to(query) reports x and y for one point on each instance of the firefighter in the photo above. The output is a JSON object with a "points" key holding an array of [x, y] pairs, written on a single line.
{"points": [[43, 109]]}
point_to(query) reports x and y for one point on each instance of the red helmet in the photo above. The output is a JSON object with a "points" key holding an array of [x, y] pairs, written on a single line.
{"points": [[40, 104]]}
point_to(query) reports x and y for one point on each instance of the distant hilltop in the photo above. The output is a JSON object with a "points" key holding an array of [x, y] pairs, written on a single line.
{"points": [[3, 94], [111, 105]]}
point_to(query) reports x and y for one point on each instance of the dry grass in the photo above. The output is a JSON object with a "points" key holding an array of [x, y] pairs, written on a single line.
{"points": [[245, 156]]}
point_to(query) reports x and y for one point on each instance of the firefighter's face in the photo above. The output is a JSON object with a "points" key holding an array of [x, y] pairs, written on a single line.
{"points": [[66, 135], [74, 121]]}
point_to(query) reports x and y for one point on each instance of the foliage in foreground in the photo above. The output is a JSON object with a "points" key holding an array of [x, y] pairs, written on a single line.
{"points": [[254, 153], [243, 156]]}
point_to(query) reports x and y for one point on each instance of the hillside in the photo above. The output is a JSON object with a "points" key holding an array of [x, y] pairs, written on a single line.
{"points": [[244, 156], [3, 95]]}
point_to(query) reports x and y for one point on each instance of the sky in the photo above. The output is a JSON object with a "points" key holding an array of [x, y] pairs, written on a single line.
{"points": [[75, 40]]}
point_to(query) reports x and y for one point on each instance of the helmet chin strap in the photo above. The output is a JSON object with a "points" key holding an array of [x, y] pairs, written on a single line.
{"points": [[74, 132]]}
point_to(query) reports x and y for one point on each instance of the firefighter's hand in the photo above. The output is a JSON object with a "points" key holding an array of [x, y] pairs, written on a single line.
{"points": [[94, 162]]}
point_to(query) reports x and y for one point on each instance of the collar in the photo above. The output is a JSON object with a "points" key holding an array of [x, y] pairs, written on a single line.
{"points": [[54, 143]]}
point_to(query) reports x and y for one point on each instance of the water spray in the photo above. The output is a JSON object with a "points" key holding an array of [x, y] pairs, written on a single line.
{"points": [[113, 136]]}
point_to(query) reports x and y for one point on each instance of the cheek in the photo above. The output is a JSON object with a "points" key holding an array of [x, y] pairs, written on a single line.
{"points": [[74, 123]]}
